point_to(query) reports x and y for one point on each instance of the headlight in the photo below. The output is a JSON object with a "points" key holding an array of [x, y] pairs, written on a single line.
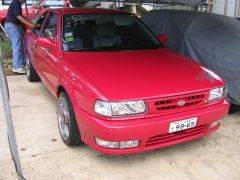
{"points": [[217, 93], [119, 108], [103, 108]]}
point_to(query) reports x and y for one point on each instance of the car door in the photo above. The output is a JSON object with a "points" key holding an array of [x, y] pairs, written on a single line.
{"points": [[31, 40], [48, 57]]}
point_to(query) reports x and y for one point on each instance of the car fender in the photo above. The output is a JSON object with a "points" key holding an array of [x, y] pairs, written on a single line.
{"points": [[65, 85]]}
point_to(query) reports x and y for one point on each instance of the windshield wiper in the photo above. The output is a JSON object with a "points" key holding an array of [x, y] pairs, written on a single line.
{"points": [[134, 47], [81, 49], [116, 48]]}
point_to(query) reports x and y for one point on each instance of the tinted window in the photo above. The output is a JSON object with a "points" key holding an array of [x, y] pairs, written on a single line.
{"points": [[104, 32]]}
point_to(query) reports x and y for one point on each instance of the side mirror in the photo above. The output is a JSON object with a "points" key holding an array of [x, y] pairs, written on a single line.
{"points": [[45, 42], [162, 38]]}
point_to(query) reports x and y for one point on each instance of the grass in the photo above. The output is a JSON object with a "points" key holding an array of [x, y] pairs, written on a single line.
{"points": [[6, 48]]}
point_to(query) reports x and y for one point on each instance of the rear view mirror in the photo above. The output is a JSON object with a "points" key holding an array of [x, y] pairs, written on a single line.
{"points": [[45, 42], [162, 38]]}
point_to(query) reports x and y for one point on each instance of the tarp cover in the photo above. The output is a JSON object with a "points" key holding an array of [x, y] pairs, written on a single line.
{"points": [[211, 39]]}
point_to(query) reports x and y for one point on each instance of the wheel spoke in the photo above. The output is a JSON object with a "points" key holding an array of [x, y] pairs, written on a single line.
{"points": [[28, 67], [63, 118]]}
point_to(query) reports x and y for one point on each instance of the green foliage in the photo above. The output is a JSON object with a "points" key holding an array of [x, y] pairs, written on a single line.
{"points": [[6, 48]]}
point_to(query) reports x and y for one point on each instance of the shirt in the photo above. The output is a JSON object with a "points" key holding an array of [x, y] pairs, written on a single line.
{"points": [[14, 10]]}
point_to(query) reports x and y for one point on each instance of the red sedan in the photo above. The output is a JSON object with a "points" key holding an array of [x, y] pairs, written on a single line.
{"points": [[118, 89]]}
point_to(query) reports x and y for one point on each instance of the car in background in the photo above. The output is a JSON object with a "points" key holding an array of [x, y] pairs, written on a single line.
{"points": [[118, 89], [38, 8]]}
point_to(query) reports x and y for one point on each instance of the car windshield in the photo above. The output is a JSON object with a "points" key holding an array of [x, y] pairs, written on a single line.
{"points": [[106, 32]]}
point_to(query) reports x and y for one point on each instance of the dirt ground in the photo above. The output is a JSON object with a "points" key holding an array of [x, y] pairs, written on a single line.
{"points": [[44, 156]]}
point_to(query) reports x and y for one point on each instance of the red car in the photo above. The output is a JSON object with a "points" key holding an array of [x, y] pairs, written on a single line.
{"points": [[118, 89]]}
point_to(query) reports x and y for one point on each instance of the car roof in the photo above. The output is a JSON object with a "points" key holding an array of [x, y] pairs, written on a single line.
{"points": [[87, 11]]}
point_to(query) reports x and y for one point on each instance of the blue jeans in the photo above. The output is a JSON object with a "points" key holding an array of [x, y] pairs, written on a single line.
{"points": [[15, 34]]}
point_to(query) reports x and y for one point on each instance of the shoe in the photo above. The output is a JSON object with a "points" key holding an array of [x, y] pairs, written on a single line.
{"points": [[24, 66], [19, 70]]}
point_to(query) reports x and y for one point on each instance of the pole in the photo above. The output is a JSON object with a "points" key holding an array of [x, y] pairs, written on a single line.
{"points": [[8, 116], [4, 30], [225, 7], [238, 8]]}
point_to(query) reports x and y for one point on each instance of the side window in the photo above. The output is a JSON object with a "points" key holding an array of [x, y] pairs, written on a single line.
{"points": [[39, 20], [50, 27]]}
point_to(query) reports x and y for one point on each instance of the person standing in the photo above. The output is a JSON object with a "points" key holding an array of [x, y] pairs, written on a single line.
{"points": [[16, 33]]}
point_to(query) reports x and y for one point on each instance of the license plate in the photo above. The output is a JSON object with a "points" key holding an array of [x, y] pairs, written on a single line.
{"points": [[181, 125]]}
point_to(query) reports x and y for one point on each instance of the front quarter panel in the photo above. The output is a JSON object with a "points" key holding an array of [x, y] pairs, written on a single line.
{"points": [[80, 90]]}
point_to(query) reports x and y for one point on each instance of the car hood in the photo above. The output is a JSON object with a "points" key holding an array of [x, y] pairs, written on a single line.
{"points": [[130, 75]]}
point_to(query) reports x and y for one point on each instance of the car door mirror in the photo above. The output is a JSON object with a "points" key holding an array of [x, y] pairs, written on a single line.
{"points": [[162, 38], [45, 42]]}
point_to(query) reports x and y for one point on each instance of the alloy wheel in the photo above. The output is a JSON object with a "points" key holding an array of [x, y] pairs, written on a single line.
{"points": [[28, 67], [63, 117]]}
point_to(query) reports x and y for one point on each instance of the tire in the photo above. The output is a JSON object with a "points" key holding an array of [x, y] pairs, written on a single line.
{"points": [[234, 109], [32, 75], [67, 123]]}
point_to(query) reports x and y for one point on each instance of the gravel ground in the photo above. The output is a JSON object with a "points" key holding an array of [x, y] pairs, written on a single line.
{"points": [[7, 64]]}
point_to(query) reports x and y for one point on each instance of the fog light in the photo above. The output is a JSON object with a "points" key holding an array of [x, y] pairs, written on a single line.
{"points": [[214, 124], [129, 144], [107, 144], [117, 145]]}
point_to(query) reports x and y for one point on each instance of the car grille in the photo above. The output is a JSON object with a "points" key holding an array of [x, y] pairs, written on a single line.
{"points": [[170, 137], [179, 103]]}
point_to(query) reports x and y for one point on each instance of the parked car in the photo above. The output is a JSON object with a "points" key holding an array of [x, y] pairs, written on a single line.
{"points": [[210, 39], [118, 89], [38, 8]]}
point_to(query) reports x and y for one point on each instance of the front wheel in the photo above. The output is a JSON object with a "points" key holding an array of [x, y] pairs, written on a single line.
{"points": [[67, 123]]}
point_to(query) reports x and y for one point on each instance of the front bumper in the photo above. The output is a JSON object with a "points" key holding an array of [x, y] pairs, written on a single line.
{"points": [[152, 132]]}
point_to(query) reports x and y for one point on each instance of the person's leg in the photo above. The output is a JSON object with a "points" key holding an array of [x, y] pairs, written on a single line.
{"points": [[16, 38], [22, 52]]}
